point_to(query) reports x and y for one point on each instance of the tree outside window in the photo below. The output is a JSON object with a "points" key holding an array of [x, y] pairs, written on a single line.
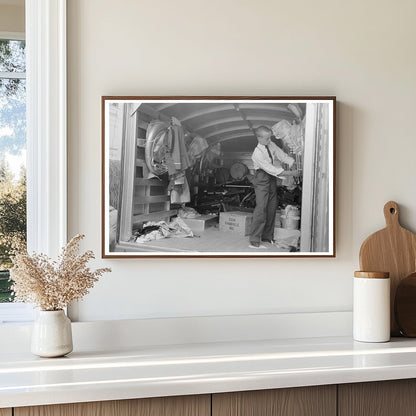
{"points": [[12, 156]]}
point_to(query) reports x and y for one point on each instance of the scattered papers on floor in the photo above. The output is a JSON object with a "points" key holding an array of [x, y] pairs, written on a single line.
{"points": [[159, 230]]}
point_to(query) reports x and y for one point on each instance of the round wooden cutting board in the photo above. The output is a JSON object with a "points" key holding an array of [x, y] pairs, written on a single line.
{"points": [[405, 306], [393, 250]]}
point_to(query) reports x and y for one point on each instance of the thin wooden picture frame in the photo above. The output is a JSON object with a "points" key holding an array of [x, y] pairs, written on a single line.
{"points": [[182, 176]]}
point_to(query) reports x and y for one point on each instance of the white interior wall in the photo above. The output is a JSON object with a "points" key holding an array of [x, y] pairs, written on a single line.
{"points": [[361, 52]]}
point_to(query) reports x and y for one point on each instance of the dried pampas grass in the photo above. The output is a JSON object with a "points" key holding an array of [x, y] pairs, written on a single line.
{"points": [[53, 285]]}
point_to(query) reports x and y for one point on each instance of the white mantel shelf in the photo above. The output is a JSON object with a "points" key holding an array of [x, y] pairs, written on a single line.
{"points": [[148, 371]]}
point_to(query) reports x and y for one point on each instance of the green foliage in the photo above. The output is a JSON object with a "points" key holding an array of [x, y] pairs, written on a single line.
{"points": [[6, 294], [12, 142], [12, 214], [12, 55]]}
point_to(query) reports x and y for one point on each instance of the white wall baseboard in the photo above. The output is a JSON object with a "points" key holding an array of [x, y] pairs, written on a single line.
{"points": [[110, 335]]}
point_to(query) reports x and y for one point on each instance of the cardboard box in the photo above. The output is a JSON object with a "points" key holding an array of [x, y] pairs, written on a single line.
{"points": [[236, 222], [201, 223]]}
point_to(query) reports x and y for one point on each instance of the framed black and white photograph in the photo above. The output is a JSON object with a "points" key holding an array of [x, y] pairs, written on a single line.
{"points": [[218, 176]]}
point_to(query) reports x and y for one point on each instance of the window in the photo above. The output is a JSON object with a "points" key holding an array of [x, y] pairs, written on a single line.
{"points": [[12, 155], [46, 135]]}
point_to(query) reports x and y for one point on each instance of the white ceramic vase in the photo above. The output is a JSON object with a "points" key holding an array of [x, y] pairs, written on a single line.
{"points": [[52, 334]]}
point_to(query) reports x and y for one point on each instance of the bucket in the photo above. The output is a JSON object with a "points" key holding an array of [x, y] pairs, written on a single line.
{"points": [[277, 222], [290, 223], [294, 212]]}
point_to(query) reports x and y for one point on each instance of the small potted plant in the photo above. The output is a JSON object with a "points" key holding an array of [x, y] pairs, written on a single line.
{"points": [[52, 286]]}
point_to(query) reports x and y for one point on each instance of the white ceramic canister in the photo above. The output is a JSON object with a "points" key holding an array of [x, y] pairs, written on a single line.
{"points": [[371, 309]]}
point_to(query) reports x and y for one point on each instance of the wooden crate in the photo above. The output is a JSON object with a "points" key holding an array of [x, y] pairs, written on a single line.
{"points": [[236, 222], [201, 223]]}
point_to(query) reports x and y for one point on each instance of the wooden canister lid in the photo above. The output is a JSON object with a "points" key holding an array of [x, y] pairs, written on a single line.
{"points": [[372, 275]]}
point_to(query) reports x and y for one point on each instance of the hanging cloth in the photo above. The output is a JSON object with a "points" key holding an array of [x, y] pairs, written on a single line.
{"points": [[180, 193]]}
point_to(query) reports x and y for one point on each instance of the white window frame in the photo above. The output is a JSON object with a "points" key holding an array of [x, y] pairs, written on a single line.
{"points": [[12, 35], [46, 134], [46, 125]]}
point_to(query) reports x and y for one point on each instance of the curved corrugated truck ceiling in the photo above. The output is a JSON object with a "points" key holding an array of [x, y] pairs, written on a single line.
{"points": [[231, 124]]}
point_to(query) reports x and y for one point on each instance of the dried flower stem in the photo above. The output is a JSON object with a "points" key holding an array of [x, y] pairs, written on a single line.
{"points": [[53, 285]]}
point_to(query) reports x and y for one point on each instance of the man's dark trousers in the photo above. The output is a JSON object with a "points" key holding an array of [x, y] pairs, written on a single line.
{"points": [[264, 215]]}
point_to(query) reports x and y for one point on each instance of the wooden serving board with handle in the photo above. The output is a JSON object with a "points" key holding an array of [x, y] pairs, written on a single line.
{"points": [[405, 306], [393, 250]]}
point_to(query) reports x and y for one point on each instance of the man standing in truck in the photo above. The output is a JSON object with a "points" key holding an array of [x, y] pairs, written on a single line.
{"points": [[267, 158]]}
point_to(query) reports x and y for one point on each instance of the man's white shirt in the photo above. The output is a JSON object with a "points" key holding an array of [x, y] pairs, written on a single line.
{"points": [[261, 159]]}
